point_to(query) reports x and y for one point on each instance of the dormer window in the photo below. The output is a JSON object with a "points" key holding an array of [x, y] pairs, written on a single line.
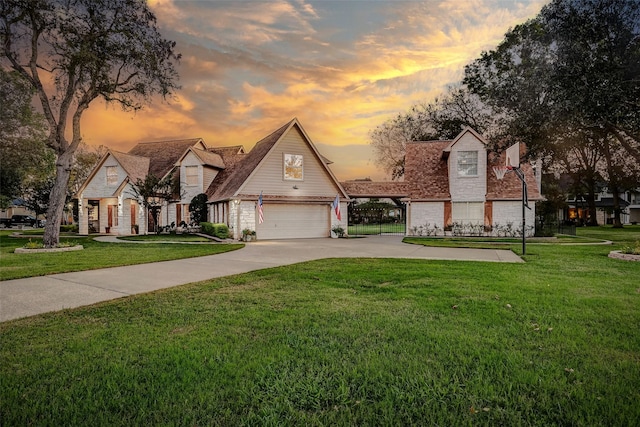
{"points": [[467, 163], [112, 175], [191, 174]]}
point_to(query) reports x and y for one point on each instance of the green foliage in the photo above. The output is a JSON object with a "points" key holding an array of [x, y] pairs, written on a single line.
{"points": [[552, 341], [198, 208], [339, 231], [152, 192], [69, 228], [443, 118], [220, 231], [84, 50], [95, 255], [631, 249], [22, 132]]}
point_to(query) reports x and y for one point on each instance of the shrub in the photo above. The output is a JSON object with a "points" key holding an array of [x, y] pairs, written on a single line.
{"points": [[69, 228], [339, 231], [631, 250], [221, 231]]}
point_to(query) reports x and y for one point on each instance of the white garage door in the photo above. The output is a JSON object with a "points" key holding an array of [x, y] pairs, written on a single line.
{"points": [[284, 221]]}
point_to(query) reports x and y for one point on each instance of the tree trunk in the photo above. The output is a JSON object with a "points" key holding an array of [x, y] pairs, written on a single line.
{"points": [[617, 223], [57, 201], [592, 219]]}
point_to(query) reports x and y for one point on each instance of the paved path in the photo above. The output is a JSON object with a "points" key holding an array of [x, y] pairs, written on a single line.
{"points": [[35, 295]]}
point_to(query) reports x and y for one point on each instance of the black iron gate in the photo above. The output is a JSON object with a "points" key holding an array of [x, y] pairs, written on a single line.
{"points": [[376, 220]]}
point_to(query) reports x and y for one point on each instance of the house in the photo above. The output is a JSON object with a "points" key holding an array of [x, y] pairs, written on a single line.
{"points": [[451, 184], [283, 175], [629, 202]]}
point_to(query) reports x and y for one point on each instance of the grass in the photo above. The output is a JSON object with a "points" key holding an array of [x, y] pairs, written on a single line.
{"points": [[368, 229], [553, 341], [95, 255]]}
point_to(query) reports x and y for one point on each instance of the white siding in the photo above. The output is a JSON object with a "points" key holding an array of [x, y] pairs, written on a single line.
{"points": [[423, 213], [269, 177], [190, 191], [98, 187], [468, 188], [208, 175], [505, 212], [287, 221]]}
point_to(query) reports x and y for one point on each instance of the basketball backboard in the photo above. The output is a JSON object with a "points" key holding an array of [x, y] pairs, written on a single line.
{"points": [[513, 156]]}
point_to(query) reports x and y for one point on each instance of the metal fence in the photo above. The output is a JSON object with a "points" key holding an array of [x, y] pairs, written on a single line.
{"points": [[372, 221], [552, 228]]}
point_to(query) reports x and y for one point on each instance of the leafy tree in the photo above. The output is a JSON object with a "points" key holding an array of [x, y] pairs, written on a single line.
{"points": [[152, 193], [37, 193], [567, 82], [22, 135], [198, 208], [442, 119], [73, 52]]}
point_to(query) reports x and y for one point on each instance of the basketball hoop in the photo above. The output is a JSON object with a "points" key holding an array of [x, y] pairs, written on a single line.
{"points": [[500, 171]]}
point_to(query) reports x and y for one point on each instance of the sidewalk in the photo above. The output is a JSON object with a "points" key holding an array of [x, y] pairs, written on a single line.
{"points": [[35, 295]]}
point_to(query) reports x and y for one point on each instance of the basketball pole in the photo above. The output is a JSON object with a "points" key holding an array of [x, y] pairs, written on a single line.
{"points": [[520, 176]]}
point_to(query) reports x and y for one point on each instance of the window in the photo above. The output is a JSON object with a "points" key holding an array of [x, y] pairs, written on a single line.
{"points": [[467, 163], [467, 212], [112, 175], [293, 167], [191, 173]]}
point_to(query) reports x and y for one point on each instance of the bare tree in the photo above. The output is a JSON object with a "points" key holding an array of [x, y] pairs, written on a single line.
{"points": [[74, 51]]}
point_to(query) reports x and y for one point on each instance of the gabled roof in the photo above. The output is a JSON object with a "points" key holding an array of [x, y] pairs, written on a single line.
{"points": [[164, 154], [459, 137], [136, 167], [207, 157], [240, 166], [225, 185]]}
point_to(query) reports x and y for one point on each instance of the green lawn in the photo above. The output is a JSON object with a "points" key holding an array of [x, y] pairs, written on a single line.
{"points": [[95, 255], [553, 341], [368, 229]]}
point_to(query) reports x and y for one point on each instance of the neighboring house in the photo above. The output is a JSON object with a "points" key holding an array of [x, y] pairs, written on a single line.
{"points": [[629, 202], [16, 208], [295, 182], [451, 183]]}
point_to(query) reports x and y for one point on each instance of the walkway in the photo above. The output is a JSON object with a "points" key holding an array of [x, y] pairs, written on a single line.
{"points": [[35, 295]]}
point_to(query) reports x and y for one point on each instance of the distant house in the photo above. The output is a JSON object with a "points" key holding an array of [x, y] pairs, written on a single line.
{"points": [[629, 202], [285, 168], [451, 183]]}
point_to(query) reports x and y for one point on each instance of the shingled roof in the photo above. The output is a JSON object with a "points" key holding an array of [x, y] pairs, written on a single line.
{"points": [[510, 187], [426, 177], [368, 189], [163, 155], [136, 167], [209, 158], [240, 166], [426, 170]]}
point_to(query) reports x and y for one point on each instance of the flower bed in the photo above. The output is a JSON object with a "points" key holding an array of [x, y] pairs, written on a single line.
{"points": [[48, 250], [625, 257]]}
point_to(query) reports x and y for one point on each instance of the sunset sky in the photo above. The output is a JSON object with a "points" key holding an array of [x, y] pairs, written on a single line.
{"points": [[340, 67]]}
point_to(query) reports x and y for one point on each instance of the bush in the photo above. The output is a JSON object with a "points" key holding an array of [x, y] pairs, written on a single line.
{"points": [[69, 228], [221, 231]]}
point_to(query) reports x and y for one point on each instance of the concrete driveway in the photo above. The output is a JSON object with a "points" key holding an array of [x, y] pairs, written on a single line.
{"points": [[35, 295]]}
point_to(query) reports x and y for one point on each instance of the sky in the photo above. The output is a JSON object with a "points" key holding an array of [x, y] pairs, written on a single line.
{"points": [[341, 67]]}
